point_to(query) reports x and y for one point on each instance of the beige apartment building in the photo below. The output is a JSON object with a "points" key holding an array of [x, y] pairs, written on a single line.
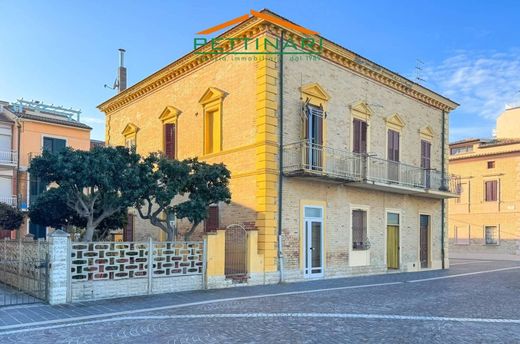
{"points": [[338, 163], [485, 221]]}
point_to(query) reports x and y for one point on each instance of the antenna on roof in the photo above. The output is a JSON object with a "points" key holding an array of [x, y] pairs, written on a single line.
{"points": [[120, 82], [419, 66]]}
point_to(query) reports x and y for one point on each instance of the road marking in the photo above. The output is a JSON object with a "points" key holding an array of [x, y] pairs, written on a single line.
{"points": [[198, 303], [464, 274], [274, 315], [464, 263], [240, 298]]}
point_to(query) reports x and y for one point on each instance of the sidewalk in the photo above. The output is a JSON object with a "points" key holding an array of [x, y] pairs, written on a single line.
{"points": [[37, 314]]}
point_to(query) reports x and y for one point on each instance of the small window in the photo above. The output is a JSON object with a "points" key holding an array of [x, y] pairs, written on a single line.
{"points": [[359, 230], [491, 235], [312, 212], [212, 222], [392, 219], [130, 142], [490, 164], [53, 145], [491, 191]]}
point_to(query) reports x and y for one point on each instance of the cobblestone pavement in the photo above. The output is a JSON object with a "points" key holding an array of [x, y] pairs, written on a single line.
{"points": [[473, 302]]}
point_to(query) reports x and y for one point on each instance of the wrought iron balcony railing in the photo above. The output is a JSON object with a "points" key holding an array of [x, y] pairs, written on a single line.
{"points": [[304, 158], [312, 159]]}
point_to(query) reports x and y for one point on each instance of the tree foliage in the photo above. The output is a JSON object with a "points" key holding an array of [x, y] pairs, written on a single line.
{"points": [[180, 189], [96, 184], [10, 217], [50, 209]]}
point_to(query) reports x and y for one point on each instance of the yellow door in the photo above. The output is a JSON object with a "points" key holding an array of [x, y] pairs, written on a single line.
{"points": [[392, 247]]}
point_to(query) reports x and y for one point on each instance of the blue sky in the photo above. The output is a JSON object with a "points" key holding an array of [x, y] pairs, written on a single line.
{"points": [[63, 52]]}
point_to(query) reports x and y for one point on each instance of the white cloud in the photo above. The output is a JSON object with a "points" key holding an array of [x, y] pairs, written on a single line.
{"points": [[482, 82], [93, 120]]}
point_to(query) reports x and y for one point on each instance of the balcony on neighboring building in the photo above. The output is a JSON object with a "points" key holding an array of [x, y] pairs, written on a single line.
{"points": [[8, 157], [304, 159], [10, 200]]}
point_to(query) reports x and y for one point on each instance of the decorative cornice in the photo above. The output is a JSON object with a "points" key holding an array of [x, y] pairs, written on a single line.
{"points": [[130, 129], [170, 113], [255, 27]]}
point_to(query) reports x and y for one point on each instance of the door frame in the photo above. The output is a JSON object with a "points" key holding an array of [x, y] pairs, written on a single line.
{"points": [[430, 226], [303, 237], [394, 211]]}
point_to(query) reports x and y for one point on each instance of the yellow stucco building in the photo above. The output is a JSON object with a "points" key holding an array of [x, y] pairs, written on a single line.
{"points": [[485, 221], [355, 180]]}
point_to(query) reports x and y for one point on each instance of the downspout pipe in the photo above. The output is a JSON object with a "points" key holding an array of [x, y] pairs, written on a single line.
{"points": [[443, 181], [280, 159], [18, 139]]}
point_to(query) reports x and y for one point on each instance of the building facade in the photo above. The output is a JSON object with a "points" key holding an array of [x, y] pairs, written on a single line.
{"points": [[28, 128], [484, 222], [362, 175]]}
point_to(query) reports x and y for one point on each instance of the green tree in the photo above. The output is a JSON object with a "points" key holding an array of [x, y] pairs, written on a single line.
{"points": [[10, 217], [207, 184], [163, 180], [50, 209], [97, 183]]}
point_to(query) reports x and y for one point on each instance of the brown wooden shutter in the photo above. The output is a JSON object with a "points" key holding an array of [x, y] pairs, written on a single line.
{"points": [[128, 232], [360, 136], [212, 222], [393, 145], [491, 190], [356, 133], [426, 148], [169, 140]]}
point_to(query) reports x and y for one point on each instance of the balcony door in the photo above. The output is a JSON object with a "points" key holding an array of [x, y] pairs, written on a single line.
{"points": [[313, 136], [393, 155]]}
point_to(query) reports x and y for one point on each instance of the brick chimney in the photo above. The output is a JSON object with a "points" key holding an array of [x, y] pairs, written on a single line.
{"points": [[121, 72]]}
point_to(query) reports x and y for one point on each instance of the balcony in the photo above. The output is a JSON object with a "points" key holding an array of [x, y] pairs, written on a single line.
{"points": [[10, 200], [303, 159], [8, 157]]}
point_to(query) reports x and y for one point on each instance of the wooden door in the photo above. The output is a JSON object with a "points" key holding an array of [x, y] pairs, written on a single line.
{"points": [[392, 247], [424, 229]]}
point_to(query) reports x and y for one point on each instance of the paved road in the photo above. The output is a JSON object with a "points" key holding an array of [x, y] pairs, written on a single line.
{"points": [[473, 302]]}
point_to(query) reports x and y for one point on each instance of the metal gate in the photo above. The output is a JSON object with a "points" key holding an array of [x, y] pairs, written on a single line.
{"points": [[24, 267], [236, 253]]}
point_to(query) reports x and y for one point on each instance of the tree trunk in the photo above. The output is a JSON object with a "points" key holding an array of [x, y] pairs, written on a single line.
{"points": [[89, 233], [170, 234]]}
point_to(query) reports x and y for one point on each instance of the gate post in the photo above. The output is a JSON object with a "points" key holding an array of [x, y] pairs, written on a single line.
{"points": [[58, 277]]}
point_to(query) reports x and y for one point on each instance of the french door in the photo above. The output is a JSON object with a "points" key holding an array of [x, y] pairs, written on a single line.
{"points": [[313, 242], [313, 135], [393, 155]]}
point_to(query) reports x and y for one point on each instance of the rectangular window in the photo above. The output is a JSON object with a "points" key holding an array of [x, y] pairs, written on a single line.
{"points": [[169, 140], [130, 142], [359, 136], [212, 222], [460, 150], [461, 235], [212, 132], [490, 164], [491, 191], [54, 145], [491, 235], [359, 230]]}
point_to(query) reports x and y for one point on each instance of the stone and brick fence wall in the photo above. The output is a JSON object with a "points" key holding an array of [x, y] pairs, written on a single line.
{"points": [[120, 269]]}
